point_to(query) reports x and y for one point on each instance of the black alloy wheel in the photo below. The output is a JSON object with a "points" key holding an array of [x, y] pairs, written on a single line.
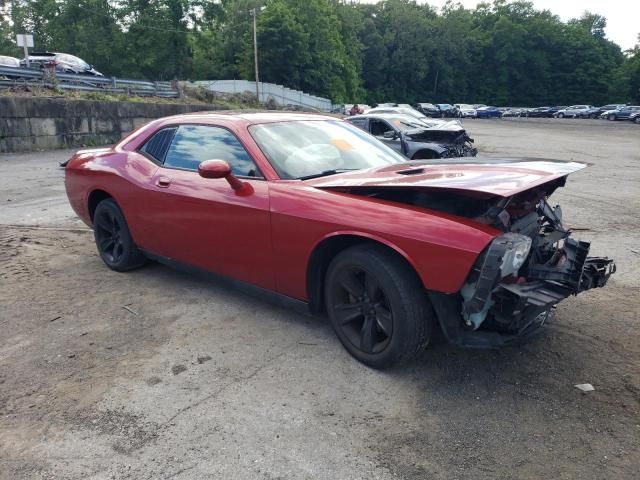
{"points": [[113, 239], [362, 310], [377, 305], [108, 237]]}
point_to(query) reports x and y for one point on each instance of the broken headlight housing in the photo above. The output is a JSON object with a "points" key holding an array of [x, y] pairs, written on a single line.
{"points": [[516, 250]]}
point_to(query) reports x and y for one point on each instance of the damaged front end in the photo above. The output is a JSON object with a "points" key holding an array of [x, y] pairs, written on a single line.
{"points": [[447, 141], [520, 277]]}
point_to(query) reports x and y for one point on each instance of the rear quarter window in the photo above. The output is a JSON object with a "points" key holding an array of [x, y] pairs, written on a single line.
{"points": [[156, 147]]}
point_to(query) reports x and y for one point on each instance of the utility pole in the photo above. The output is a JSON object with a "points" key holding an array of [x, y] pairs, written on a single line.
{"points": [[435, 84], [255, 53]]}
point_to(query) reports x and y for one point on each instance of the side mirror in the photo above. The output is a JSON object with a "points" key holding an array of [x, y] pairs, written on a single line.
{"points": [[390, 134], [221, 169]]}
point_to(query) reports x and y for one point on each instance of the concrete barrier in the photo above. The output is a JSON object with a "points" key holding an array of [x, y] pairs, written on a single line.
{"points": [[33, 123]]}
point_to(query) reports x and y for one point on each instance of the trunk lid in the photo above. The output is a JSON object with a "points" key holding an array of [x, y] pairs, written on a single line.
{"points": [[492, 176]]}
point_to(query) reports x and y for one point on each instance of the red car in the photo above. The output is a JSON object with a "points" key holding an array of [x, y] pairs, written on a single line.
{"points": [[316, 210]]}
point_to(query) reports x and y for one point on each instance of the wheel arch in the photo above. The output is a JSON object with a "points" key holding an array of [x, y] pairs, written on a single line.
{"points": [[427, 154], [326, 250], [95, 197]]}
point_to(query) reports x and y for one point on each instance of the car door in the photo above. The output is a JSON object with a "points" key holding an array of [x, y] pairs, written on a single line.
{"points": [[204, 222]]}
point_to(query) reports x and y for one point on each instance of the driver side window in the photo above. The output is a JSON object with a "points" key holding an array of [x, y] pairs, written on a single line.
{"points": [[379, 127], [193, 144]]}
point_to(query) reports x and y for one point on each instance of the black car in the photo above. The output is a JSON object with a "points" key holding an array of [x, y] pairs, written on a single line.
{"points": [[606, 108], [428, 109], [542, 112], [448, 111], [415, 139]]}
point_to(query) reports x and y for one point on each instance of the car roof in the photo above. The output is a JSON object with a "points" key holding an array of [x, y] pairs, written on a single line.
{"points": [[247, 118], [386, 115]]}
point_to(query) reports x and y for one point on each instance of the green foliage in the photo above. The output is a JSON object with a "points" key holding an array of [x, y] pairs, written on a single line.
{"points": [[503, 52], [283, 53]]}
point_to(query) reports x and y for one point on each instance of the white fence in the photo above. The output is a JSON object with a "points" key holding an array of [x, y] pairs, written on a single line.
{"points": [[280, 93]]}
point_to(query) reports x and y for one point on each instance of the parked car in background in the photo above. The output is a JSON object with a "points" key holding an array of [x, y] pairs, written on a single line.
{"points": [[606, 108], [591, 112], [416, 139], [621, 113], [388, 104], [574, 111], [635, 117], [466, 110], [391, 250], [10, 62], [6, 61], [512, 112], [542, 112], [447, 110], [488, 112], [411, 112], [63, 63], [428, 109]]}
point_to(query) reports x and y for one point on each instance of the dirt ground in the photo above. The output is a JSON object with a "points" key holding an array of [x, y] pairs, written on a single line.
{"points": [[196, 380]]}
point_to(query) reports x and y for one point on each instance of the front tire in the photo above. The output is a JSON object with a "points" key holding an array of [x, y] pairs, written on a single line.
{"points": [[377, 306], [561, 115], [611, 118], [113, 239]]}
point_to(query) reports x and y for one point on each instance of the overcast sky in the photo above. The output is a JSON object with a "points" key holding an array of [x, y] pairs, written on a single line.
{"points": [[623, 16]]}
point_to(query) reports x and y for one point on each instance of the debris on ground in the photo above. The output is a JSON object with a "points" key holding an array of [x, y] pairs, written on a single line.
{"points": [[585, 387], [130, 310]]}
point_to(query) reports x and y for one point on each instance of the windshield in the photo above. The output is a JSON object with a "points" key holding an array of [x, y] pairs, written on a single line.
{"points": [[300, 149], [405, 122]]}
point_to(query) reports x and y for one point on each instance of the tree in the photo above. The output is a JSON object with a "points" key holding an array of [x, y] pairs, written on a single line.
{"points": [[282, 47], [504, 52]]}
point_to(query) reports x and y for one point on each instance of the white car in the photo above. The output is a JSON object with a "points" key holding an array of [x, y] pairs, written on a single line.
{"points": [[466, 110], [574, 111], [8, 62]]}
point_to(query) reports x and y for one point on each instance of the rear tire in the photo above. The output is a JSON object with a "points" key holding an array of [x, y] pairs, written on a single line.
{"points": [[377, 305], [113, 238], [637, 120]]}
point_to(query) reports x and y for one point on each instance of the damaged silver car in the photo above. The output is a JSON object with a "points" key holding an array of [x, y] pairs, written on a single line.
{"points": [[417, 139]]}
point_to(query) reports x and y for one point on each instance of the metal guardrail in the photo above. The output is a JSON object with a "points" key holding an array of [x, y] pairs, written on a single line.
{"points": [[12, 77], [280, 93]]}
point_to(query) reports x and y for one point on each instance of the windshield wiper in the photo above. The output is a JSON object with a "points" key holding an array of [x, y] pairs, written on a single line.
{"points": [[327, 172]]}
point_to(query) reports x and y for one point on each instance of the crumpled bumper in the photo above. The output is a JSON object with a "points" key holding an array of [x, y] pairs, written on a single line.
{"points": [[520, 308]]}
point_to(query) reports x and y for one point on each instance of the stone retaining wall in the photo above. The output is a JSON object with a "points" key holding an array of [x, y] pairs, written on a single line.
{"points": [[33, 123]]}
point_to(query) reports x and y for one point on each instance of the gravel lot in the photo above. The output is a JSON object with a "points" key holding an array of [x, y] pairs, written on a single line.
{"points": [[197, 380]]}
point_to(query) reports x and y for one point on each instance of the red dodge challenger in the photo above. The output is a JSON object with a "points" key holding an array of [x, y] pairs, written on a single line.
{"points": [[314, 209]]}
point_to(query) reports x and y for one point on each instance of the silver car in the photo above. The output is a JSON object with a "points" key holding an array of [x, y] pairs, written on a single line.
{"points": [[63, 62], [574, 111]]}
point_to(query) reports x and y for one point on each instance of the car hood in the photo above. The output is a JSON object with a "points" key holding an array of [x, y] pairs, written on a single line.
{"points": [[453, 126], [502, 177]]}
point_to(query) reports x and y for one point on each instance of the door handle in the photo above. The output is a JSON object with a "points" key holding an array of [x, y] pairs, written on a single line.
{"points": [[163, 182]]}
